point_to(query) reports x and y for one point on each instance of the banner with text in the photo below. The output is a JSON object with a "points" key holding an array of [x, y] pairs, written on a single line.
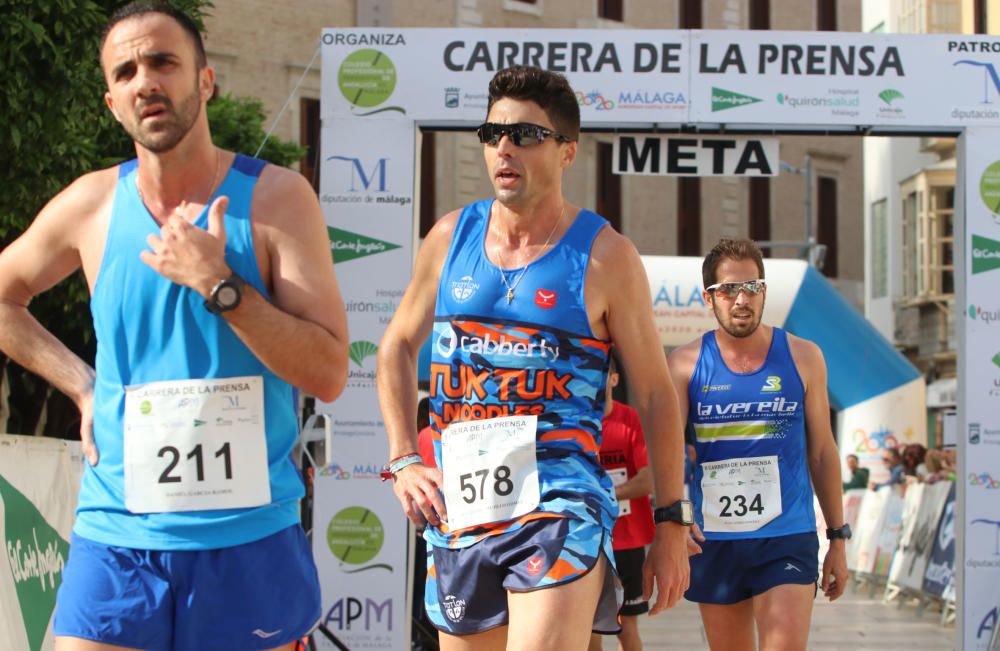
{"points": [[979, 390], [39, 484], [367, 195], [672, 76], [695, 156]]}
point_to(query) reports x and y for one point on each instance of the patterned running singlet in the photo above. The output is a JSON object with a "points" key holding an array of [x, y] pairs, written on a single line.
{"points": [[536, 355]]}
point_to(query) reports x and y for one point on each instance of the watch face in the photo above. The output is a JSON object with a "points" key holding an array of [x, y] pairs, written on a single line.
{"points": [[227, 296], [687, 511]]}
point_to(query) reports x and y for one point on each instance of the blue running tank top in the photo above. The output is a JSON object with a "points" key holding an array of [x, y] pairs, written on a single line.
{"points": [[150, 329], [534, 356], [748, 426]]}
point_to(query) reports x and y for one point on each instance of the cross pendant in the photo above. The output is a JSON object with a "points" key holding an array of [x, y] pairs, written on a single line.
{"points": [[510, 295]]}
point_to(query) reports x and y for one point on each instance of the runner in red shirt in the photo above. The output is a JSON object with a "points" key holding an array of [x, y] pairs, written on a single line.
{"points": [[623, 455]]}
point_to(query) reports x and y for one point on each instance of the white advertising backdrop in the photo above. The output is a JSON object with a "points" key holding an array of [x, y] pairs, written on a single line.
{"points": [[359, 532], [39, 484], [978, 558]]}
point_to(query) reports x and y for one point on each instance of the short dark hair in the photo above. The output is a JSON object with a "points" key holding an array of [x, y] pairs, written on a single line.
{"points": [[738, 249], [143, 7], [549, 90], [852, 456]]}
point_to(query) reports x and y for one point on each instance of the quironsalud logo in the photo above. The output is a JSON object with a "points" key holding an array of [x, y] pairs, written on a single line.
{"points": [[36, 554]]}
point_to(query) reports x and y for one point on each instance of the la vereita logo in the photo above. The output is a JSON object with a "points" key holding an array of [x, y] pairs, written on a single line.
{"points": [[366, 79]]}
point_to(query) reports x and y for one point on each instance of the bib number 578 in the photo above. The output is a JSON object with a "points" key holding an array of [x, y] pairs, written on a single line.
{"points": [[502, 485]]}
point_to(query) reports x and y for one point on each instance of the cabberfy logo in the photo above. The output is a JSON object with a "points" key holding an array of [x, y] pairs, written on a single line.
{"points": [[346, 245], [495, 344], [723, 99], [36, 554], [366, 79], [985, 254]]}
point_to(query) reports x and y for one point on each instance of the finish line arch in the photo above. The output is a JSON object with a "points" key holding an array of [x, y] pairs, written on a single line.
{"points": [[381, 86]]}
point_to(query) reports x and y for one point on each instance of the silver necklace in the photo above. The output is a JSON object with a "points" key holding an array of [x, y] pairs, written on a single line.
{"points": [[511, 286]]}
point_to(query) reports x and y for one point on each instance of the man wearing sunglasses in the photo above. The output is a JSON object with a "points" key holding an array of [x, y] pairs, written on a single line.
{"points": [[523, 297], [758, 407]]}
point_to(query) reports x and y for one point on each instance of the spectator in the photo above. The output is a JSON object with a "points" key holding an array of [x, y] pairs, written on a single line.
{"points": [[859, 475], [892, 458], [913, 461]]}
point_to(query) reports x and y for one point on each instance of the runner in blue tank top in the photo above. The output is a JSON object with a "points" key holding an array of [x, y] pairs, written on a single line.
{"points": [[187, 533], [523, 297], [757, 405]]}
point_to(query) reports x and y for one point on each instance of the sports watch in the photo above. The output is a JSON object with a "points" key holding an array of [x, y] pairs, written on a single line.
{"points": [[681, 512], [842, 533], [226, 295]]}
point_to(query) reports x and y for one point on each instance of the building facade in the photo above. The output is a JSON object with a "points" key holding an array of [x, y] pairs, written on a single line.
{"points": [[909, 198]]}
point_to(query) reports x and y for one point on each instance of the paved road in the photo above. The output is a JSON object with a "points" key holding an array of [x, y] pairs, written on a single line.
{"points": [[855, 622]]}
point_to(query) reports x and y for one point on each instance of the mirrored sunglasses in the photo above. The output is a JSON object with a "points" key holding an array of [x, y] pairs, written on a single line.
{"points": [[522, 134], [732, 290]]}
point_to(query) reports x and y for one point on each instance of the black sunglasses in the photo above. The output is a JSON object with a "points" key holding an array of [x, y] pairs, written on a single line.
{"points": [[521, 134]]}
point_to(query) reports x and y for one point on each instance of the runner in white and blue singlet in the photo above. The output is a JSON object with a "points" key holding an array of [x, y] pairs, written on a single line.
{"points": [[522, 297], [756, 403]]}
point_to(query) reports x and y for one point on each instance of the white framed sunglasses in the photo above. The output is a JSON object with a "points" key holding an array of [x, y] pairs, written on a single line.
{"points": [[732, 290]]}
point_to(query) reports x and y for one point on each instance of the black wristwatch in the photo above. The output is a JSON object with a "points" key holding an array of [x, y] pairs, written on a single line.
{"points": [[226, 295], [681, 512], [843, 533]]}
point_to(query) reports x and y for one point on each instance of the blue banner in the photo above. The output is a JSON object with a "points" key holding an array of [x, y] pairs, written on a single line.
{"points": [[939, 580]]}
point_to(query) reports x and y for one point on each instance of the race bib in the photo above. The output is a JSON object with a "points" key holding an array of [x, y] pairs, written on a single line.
{"points": [[618, 477], [490, 470], [740, 494], [195, 445]]}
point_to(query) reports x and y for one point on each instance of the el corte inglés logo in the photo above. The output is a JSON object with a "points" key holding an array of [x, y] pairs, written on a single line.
{"points": [[985, 254], [723, 99], [36, 554], [346, 245]]}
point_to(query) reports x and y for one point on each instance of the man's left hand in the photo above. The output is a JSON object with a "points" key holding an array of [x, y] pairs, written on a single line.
{"points": [[667, 566], [189, 255], [835, 574]]}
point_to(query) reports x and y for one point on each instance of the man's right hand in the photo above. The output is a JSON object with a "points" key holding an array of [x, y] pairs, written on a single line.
{"points": [[416, 486]]}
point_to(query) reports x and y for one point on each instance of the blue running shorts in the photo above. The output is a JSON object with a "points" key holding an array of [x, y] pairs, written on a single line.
{"points": [[729, 571], [259, 595], [467, 588]]}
